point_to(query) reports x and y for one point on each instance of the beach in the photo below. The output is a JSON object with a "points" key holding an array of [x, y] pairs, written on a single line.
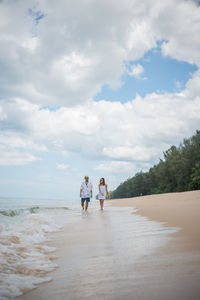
{"points": [[141, 248], [178, 264], [175, 209]]}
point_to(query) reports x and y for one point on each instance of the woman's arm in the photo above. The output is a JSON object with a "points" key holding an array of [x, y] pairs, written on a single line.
{"points": [[100, 191], [107, 191]]}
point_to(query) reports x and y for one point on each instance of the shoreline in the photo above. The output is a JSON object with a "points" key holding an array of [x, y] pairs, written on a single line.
{"points": [[171, 272], [181, 210]]}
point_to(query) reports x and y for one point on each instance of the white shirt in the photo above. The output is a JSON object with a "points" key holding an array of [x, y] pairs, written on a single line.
{"points": [[86, 190]]}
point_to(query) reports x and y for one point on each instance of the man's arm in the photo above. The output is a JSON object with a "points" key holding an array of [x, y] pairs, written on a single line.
{"points": [[81, 189]]}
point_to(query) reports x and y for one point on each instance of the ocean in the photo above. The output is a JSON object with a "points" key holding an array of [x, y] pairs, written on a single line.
{"points": [[27, 226]]}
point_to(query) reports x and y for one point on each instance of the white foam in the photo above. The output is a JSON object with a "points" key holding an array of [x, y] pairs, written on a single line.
{"points": [[25, 260]]}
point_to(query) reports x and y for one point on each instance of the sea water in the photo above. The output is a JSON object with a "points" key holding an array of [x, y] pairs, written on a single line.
{"points": [[26, 226]]}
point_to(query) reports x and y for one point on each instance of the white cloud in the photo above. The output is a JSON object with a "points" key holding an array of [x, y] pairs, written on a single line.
{"points": [[178, 23], [136, 131], [178, 85], [137, 153], [136, 71], [69, 54], [17, 148], [62, 166], [21, 141], [65, 60], [10, 157], [193, 86], [3, 116], [116, 167]]}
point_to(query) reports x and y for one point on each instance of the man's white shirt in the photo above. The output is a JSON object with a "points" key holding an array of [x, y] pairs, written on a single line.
{"points": [[86, 190]]}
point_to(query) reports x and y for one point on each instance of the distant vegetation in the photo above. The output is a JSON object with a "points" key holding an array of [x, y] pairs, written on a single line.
{"points": [[178, 171]]}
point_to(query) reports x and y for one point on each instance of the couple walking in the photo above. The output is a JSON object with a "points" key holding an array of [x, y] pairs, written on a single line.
{"points": [[86, 192]]}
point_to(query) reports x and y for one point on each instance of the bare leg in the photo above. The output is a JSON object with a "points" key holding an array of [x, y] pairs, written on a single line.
{"points": [[86, 205], [101, 203], [82, 204]]}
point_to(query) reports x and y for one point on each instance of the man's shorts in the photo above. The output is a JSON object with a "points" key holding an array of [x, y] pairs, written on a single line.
{"points": [[85, 199]]}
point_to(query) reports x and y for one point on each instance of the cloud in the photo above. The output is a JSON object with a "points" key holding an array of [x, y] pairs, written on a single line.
{"points": [[63, 55], [136, 71], [10, 157], [193, 86], [136, 131], [53, 61], [121, 168], [3, 116], [18, 148], [137, 153], [116, 167], [62, 166], [178, 85], [21, 141], [178, 27]]}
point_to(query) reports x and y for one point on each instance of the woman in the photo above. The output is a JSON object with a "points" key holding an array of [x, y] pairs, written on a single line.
{"points": [[103, 192]]}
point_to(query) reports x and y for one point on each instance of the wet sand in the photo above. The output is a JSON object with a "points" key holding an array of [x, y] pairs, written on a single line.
{"points": [[175, 209], [177, 266], [89, 270]]}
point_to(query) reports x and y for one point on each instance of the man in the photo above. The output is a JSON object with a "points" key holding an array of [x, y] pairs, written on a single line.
{"points": [[85, 192]]}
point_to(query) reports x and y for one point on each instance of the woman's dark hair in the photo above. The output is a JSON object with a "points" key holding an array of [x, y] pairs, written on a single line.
{"points": [[102, 180]]}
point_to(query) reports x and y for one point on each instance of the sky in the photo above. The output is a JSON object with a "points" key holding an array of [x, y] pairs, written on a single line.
{"points": [[98, 88]]}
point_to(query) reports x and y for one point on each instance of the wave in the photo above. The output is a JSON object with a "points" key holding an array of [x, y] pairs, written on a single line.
{"points": [[31, 210], [25, 259]]}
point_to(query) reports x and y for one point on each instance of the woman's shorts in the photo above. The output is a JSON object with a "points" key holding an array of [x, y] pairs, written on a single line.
{"points": [[85, 199]]}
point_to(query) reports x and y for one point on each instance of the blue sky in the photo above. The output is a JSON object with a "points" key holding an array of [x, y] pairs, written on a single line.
{"points": [[162, 74], [78, 96]]}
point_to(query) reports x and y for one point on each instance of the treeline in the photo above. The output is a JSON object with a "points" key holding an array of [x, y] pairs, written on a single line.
{"points": [[178, 171]]}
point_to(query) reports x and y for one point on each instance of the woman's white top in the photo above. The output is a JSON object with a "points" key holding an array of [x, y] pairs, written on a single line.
{"points": [[103, 191]]}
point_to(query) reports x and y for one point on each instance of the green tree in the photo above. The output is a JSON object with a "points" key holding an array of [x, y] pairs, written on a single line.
{"points": [[179, 170]]}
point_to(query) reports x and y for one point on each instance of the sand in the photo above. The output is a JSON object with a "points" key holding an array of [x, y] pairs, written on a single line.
{"points": [[175, 209], [171, 272]]}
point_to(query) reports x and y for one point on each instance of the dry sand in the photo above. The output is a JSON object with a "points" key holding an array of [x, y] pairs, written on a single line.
{"points": [[170, 273]]}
